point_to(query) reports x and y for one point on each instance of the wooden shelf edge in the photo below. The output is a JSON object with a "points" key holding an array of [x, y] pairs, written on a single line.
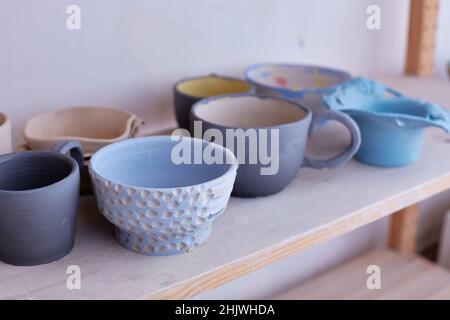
{"points": [[261, 258]]}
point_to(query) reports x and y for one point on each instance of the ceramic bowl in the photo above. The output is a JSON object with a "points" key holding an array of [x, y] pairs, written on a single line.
{"points": [[93, 127], [159, 207], [304, 84], [189, 91], [392, 125]]}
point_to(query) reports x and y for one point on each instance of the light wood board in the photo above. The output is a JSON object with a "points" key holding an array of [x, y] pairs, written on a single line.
{"points": [[404, 225], [252, 233], [423, 21], [401, 277]]}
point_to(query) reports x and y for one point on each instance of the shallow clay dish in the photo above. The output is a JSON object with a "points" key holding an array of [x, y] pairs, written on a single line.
{"points": [[93, 127]]}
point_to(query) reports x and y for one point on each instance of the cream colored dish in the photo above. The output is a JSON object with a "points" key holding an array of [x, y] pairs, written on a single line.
{"points": [[93, 127]]}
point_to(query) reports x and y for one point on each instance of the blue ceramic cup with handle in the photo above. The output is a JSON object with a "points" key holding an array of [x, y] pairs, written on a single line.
{"points": [[38, 203], [392, 125]]}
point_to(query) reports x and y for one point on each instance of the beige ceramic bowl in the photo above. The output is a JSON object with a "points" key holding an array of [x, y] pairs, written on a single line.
{"points": [[93, 127]]}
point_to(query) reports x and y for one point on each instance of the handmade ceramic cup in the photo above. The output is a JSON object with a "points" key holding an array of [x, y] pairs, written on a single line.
{"points": [[304, 84], [268, 135], [189, 91], [93, 127], [159, 205], [392, 125], [38, 204]]}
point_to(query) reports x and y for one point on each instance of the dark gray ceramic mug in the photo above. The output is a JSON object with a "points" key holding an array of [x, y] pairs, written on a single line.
{"points": [[278, 127], [189, 91], [38, 203]]}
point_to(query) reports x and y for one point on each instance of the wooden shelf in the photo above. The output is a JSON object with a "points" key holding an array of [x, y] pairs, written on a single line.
{"points": [[252, 233], [402, 277]]}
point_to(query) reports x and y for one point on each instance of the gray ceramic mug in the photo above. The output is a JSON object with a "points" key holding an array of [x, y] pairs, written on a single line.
{"points": [[268, 136], [39, 203]]}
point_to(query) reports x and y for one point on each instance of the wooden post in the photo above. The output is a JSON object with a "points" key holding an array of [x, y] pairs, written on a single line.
{"points": [[423, 19], [403, 231], [422, 37]]}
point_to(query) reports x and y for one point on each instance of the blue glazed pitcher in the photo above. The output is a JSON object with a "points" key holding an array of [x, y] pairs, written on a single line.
{"points": [[392, 125]]}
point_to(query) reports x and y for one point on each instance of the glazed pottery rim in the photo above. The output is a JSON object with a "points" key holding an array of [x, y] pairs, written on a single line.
{"points": [[131, 117], [197, 105], [212, 75], [254, 82], [47, 153], [229, 154], [388, 116]]}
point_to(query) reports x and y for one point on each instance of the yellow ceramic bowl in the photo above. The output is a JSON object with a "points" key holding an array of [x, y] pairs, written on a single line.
{"points": [[189, 91]]}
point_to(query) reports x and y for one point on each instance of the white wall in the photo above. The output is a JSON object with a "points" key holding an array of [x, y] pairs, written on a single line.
{"points": [[129, 53]]}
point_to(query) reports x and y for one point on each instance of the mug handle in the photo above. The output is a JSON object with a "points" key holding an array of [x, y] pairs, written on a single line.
{"points": [[348, 153], [135, 123], [72, 149]]}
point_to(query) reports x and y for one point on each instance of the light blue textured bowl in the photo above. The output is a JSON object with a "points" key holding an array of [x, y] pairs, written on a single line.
{"points": [[392, 126], [157, 206]]}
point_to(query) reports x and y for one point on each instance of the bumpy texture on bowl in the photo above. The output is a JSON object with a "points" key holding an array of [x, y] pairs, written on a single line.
{"points": [[163, 221]]}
